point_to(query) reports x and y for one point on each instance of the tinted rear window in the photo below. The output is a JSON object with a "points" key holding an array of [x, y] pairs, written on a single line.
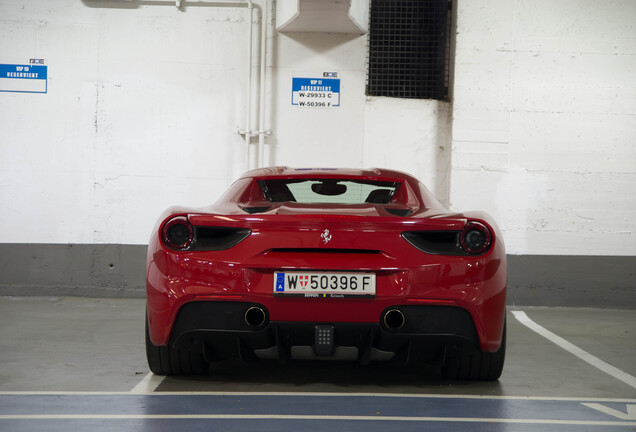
{"points": [[330, 191]]}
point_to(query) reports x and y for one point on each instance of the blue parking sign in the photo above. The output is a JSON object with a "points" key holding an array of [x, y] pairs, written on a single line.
{"points": [[23, 78]]}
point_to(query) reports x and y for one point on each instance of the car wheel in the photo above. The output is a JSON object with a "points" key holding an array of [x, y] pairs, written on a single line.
{"points": [[485, 366], [165, 360]]}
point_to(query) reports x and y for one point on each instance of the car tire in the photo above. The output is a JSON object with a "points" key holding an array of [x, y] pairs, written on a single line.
{"points": [[165, 360], [483, 366]]}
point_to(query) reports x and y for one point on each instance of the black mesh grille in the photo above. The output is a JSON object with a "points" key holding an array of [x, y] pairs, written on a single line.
{"points": [[409, 49]]}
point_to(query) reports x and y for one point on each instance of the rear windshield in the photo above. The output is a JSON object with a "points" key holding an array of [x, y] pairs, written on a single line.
{"points": [[331, 191]]}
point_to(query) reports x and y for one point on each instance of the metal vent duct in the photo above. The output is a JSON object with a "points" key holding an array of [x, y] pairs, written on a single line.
{"points": [[322, 16]]}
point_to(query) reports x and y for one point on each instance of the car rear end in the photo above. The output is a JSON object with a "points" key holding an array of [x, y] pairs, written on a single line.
{"points": [[338, 281]]}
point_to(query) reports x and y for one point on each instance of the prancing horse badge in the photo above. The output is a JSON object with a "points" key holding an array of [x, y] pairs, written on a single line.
{"points": [[326, 236]]}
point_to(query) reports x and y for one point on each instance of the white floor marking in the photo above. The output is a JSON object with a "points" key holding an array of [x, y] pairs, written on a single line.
{"points": [[317, 394], [573, 349], [630, 413], [305, 417], [149, 384]]}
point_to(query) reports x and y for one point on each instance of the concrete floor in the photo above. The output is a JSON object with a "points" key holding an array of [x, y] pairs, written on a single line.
{"points": [[58, 346]]}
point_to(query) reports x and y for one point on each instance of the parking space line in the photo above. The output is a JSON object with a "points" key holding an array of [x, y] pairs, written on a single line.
{"points": [[149, 384], [308, 417], [630, 409], [573, 349], [325, 394], [287, 410]]}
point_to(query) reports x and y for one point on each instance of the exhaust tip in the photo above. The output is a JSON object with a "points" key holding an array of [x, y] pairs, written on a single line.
{"points": [[394, 319], [255, 316]]}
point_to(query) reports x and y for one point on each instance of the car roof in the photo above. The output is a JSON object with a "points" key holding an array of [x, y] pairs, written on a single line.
{"points": [[283, 171]]}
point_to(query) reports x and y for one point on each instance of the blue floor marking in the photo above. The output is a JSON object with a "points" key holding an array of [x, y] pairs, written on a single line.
{"points": [[195, 425], [327, 413]]}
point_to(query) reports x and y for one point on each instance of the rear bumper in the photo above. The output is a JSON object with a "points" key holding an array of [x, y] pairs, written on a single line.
{"points": [[405, 276], [219, 330]]}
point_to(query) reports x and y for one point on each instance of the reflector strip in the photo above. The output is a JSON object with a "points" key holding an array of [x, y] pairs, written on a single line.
{"points": [[430, 301], [230, 296]]}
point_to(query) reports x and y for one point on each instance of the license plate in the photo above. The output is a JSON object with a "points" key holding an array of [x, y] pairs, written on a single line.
{"points": [[322, 284]]}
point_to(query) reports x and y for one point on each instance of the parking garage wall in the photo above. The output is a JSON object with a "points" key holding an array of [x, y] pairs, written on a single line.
{"points": [[543, 138], [144, 103], [543, 123]]}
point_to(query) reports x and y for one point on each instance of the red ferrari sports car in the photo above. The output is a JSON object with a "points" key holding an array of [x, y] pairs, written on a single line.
{"points": [[339, 264]]}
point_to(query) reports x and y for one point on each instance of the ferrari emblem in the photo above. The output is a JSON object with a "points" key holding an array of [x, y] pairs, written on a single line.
{"points": [[326, 236]]}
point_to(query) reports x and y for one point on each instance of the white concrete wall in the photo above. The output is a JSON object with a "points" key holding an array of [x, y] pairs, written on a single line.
{"points": [[142, 107], [409, 135], [544, 122], [144, 103]]}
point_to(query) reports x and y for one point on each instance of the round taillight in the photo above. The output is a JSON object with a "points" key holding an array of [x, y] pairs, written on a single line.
{"points": [[475, 238], [178, 233]]}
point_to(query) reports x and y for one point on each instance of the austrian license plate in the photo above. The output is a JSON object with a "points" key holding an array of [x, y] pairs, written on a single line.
{"points": [[324, 284]]}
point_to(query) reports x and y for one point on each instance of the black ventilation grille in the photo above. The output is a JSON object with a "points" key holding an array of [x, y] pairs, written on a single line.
{"points": [[435, 242], [409, 49], [399, 212], [217, 238], [252, 210]]}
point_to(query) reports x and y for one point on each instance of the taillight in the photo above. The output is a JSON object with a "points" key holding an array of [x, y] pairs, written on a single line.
{"points": [[178, 233], [475, 238]]}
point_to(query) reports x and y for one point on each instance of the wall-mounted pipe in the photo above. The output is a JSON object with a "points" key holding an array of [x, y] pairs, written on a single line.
{"points": [[248, 85], [247, 131], [262, 84]]}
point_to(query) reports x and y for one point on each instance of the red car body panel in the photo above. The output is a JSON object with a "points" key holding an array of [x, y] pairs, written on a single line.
{"points": [[364, 237]]}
